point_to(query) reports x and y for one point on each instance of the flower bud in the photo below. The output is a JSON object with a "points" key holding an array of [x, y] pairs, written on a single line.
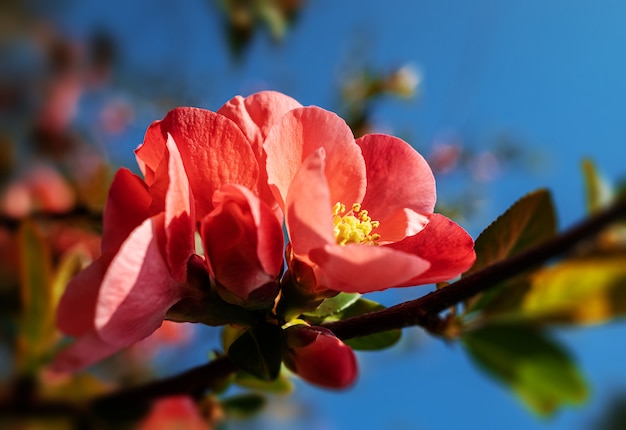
{"points": [[317, 356]]}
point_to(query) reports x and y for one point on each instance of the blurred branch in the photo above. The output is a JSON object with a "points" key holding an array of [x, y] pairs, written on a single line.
{"points": [[192, 382], [79, 213]]}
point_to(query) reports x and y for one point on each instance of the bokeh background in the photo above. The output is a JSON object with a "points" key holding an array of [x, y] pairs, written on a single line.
{"points": [[501, 97]]}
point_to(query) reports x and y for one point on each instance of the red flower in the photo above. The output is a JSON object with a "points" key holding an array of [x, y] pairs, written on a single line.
{"points": [[317, 356], [360, 214], [124, 295], [201, 173]]}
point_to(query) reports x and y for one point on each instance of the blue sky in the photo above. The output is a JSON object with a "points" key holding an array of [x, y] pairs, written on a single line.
{"points": [[549, 73]]}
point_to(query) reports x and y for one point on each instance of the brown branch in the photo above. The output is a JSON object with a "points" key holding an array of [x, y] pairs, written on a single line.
{"points": [[193, 382], [425, 310], [79, 213]]}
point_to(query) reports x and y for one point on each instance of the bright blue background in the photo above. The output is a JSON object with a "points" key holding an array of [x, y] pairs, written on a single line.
{"points": [[550, 73]]}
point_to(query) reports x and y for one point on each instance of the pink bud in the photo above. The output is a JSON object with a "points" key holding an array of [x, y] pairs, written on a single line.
{"points": [[317, 356]]}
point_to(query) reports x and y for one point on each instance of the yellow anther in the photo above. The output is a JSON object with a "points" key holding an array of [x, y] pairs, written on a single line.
{"points": [[355, 226]]}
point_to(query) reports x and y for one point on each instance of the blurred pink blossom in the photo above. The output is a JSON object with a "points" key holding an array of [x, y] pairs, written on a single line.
{"points": [[40, 188]]}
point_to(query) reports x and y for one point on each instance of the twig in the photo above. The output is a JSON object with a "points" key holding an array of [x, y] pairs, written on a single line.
{"points": [[192, 382]]}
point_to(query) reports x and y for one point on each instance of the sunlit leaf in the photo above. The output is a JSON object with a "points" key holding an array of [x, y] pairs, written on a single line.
{"points": [[539, 371], [230, 334], [590, 290], [70, 264], [374, 341], [38, 328], [334, 304], [599, 193], [258, 351], [281, 385]]}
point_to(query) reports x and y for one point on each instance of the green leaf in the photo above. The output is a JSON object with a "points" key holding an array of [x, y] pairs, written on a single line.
{"points": [[212, 311], [258, 351], [587, 290], [530, 221], [244, 405], [37, 328], [599, 193], [230, 333], [333, 305], [370, 342], [590, 290], [281, 385], [538, 370]]}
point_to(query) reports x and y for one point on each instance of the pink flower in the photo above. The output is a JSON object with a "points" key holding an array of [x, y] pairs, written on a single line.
{"points": [[124, 295], [240, 224], [201, 174], [317, 356], [360, 213]]}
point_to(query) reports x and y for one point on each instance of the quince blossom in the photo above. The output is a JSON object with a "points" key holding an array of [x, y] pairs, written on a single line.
{"points": [[359, 214], [201, 175]]}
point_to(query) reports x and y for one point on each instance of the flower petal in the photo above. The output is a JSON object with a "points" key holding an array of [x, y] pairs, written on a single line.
{"points": [[243, 241], [137, 289], [85, 351], [447, 246], [77, 306], [398, 177], [255, 115], [213, 149], [308, 214], [127, 207], [364, 268], [297, 135], [179, 216]]}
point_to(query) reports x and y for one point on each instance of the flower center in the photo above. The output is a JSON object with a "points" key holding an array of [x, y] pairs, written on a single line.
{"points": [[353, 226]]}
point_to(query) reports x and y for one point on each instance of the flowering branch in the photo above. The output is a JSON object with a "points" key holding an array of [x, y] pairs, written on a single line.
{"points": [[423, 311]]}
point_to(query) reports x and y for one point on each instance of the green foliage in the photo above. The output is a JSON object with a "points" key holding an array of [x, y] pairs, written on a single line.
{"points": [[211, 311], [258, 351], [244, 405], [333, 305], [598, 192], [530, 221], [537, 369], [576, 291], [370, 342], [38, 304], [281, 385]]}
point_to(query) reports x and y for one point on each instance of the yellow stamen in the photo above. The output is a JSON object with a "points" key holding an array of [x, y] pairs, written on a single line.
{"points": [[354, 226]]}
